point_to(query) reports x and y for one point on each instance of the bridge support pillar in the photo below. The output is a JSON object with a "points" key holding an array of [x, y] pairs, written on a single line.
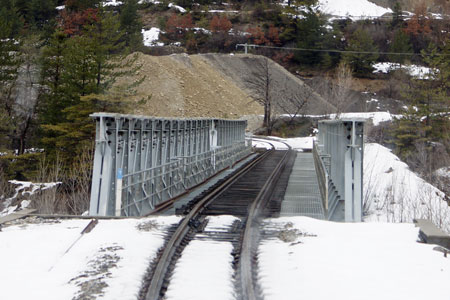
{"points": [[340, 176]]}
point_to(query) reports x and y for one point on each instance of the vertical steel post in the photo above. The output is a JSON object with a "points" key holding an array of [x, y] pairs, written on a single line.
{"points": [[341, 141]]}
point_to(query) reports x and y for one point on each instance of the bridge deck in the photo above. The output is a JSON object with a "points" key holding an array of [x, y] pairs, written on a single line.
{"points": [[302, 197]]}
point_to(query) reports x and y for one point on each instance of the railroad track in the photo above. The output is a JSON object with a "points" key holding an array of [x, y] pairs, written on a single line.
{"points": [[244, 195]]}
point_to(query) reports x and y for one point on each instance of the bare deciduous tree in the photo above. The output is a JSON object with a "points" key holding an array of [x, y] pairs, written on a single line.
{"points": [[341, 91], [261, 83], [293, 103], [273, 90]]}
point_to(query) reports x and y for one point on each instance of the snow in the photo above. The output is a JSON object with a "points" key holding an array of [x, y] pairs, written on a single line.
{"points": [[24, 204], [205, 270], [299, 143], [27, 187], [269, 143], [443, 172], [376, 117], [261, 144], [416, 71], [202, 30], [393, 193], [179, 8], [112, 3], [37, 266], [151, 36], [350, 261], [354, 9]]}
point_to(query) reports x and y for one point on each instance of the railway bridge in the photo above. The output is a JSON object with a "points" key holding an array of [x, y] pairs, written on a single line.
{"points": [[144, 165]]}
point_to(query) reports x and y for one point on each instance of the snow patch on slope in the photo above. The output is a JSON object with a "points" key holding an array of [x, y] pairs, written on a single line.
{"points": [[393, 193], [151, 36], [358, 9], [416, 71], [25, 188], [376, 117]]}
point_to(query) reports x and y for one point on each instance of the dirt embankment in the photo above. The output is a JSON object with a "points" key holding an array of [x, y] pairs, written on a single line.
{"points": [[188, 86], [212, 85]]}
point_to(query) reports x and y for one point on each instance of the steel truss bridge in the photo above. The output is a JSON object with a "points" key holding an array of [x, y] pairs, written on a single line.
{"points": [[140, 162]]}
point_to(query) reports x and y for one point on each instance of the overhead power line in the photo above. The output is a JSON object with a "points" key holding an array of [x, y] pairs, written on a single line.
{"points": [[246, 46]]}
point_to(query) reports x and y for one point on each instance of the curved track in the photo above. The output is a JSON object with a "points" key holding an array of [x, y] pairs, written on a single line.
{"points": [[253, 192]]}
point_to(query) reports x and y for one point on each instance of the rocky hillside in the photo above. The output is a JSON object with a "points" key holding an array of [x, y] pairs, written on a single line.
{"points": [[214, 85]]}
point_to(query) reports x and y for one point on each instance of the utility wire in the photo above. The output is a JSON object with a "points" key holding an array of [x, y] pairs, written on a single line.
{"points": [[335, 51]]}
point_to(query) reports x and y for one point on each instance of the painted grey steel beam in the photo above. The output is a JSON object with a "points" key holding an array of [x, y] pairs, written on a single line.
{"points": [[141, 161], [338, 155]]}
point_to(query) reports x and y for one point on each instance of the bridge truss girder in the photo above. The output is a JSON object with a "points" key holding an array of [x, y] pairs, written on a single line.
{"points": [[141, 162]]}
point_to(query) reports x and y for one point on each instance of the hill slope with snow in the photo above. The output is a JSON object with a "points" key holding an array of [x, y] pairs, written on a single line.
{"points": [[393, 193], [355, 9]]}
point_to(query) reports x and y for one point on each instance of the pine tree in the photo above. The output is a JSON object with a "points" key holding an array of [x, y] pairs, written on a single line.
{"points": [[11, 17], [361, 63], [131, 24], [400, 44], [81, 5], [427, 120], [397, 15], [53, 98], [40, 12], [10, 61], [310, 35], [91, 64]]}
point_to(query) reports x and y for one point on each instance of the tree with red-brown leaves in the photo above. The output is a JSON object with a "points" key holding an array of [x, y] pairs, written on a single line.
{"points": [[420, 22], [257, 36], [273, 36], [419, 27], [283, 58], [269, 38], [177, 26], [220, 39], [220, 24], [72, 23]]}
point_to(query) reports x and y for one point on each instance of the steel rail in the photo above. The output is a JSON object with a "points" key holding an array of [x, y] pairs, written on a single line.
{"points": [[268, 140], [246, 270], [164, 261]]}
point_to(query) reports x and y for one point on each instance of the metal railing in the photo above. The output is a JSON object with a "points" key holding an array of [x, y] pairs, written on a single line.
{"points": [[141, 162], [338, 157]]}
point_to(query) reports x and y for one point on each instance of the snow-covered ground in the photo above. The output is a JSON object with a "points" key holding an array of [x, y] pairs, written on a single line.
{"points": [[375, 117], [298, 256], [298, 144], [25, 188], [205, 269], [393, 193], [151, 37], [110, 260], [420, 72], [443, 172], [112, 3], [350, 261], [354, 9]]}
